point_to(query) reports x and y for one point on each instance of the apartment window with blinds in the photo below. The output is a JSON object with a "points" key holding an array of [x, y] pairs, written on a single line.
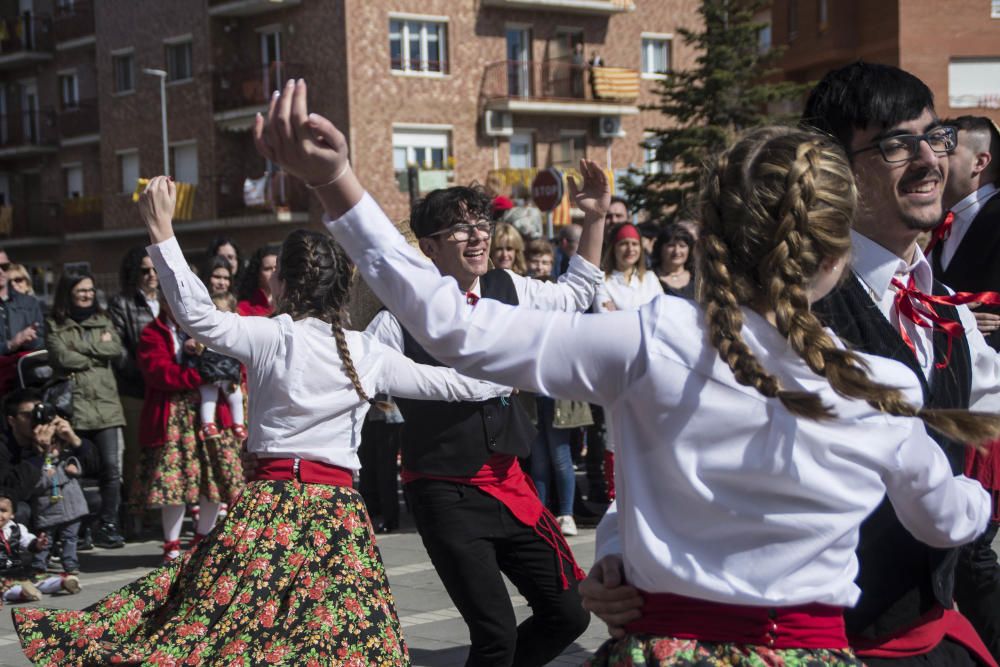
{"points": [[69, 91], [655, 55], [418, 46], [73, 180], [179, 66]]}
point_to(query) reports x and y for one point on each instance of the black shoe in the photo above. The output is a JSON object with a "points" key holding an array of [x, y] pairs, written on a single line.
{"points": [[85, 543], [107, 536]]}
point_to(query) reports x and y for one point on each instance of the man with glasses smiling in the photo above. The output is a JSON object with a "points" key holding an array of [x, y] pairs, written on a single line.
{"points": [[22, 326], [476, 512]]}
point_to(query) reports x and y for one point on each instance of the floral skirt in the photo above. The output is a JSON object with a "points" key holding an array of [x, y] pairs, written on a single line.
{"points": [[652, 651], [291, 576], [185, 468]]}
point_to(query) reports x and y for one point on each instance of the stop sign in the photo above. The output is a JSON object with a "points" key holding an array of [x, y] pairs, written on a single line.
{"points": [[547, 189]]}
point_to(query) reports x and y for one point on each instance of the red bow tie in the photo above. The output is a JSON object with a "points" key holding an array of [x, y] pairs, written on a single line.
{"points": [[918, 307], [471, 298], [941, 232]]}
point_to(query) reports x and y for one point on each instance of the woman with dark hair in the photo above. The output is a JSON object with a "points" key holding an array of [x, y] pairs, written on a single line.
{"points": [[673, 260], [226, 248], [84, 343], [292, 574], [255, 296], [218, 275]]}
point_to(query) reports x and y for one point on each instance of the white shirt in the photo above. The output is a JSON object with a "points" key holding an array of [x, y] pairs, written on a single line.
{"points": [[629, 294], [965, 212], [876, 266], [723, 494], [26, 535], [302, 402]]}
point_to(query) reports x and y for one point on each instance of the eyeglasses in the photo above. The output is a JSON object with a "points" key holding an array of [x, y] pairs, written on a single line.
{"points": [[463, 231], [19, 279], [4, 266], [81, 292], [146, 270], [903, 147]]}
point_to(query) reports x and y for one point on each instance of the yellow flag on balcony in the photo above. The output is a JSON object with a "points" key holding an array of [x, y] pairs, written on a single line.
{"points": [[185, 198]]}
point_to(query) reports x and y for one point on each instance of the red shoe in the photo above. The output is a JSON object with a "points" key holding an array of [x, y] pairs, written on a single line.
{"points": [[240, 432], [171, 551], [209, 431]]}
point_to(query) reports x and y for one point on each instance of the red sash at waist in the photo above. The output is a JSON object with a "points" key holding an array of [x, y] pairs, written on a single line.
{"points": [[308, 472], [926, 634], [809, 626]]}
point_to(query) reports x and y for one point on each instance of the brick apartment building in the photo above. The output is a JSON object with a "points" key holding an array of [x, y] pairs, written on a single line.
{"points": [[952, 45], [460, 88]]}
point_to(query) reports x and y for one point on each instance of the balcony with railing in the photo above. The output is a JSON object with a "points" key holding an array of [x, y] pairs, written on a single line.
{"points": [[558, 87], [79, 121], [81, 214], [38, 218], [600, 7], [237, 8], [73, 23], [241, 92], [27, 134], [278, 194], [25, 40]]}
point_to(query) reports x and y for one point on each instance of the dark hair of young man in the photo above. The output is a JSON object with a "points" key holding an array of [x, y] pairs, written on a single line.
{"points": [[445, 207], [861, 95], [18, 397]]}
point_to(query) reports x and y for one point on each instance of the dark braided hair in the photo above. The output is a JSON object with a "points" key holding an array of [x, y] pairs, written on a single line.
{"points": [[317, 274]]}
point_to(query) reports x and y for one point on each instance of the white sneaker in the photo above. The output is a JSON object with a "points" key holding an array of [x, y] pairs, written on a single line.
{"points": [[567, 525], [71, 584]]}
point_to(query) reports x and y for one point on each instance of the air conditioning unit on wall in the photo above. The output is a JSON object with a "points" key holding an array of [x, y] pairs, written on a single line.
{"points": [[609, 127], [498, 123]]}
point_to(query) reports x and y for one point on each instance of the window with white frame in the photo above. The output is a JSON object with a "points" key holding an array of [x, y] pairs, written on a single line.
{"points": [[128, 170], [73, 180], [418, 45], [974, 82], [995, 9], [179, 65], [184, 162], [421, 148], [123, 65], [655, 55], [69, 90], [569, 150], [522, 150]]}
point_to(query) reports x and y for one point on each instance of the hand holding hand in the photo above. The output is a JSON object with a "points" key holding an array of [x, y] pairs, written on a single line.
{"points": [[156, 208], [594, 196], [605, 593]]}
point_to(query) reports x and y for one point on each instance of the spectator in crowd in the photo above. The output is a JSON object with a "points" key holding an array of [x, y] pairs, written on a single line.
{"points": [[135, 306], [648, 232], [627, 284], [552, 457], [501, 205], [507, 249], [527, 220], [22, 326], [673, 260], [227, 249], [538, 258], [254, 293], [83, 342], [617, 212], [176, 469], [569, 241], [218, 276], [17, 476], [20, 279], [219, 374], [16, 538]]}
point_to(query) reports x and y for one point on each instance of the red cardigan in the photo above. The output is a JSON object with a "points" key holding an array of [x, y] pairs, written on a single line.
{"points": [[166, 383], [256, 305]]}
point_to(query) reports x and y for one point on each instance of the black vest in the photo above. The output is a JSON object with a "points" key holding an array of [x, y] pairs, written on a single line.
{"points": [[456, 439], [900, 577], [10, 551]]}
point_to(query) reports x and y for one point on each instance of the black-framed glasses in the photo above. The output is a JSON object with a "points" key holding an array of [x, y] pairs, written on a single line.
{"points": [[4, 266], [463, 231], [146, 270], [903, 147], [85, 290]]}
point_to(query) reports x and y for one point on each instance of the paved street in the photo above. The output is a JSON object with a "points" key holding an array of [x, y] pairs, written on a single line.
{"points": [[436, 635]]}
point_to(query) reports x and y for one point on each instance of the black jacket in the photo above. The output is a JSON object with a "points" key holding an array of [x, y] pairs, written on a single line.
{"points": [[17, 476], [130, 314], [17, 313]]}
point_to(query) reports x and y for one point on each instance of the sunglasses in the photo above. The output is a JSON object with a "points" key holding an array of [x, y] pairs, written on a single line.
{"points": [[146, 270], [4, 266], [19, 279]]}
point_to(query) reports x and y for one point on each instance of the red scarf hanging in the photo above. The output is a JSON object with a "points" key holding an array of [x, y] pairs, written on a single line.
{"points": [[941, 232]]}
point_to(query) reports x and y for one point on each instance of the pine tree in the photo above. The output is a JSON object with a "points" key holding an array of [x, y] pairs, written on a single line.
{"points": [[726, 92]]}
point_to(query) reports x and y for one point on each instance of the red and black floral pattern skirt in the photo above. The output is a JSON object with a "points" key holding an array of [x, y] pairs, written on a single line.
{"points": [[652, 651], [291, 576]]}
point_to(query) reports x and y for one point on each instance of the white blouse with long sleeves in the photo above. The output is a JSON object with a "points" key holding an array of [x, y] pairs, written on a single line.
{"points": [[723, 494], [302, 403], [630, 294]]}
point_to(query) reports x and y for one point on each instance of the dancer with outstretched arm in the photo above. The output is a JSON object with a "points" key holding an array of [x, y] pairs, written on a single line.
{"points": [[752, 443], [292, 574]]}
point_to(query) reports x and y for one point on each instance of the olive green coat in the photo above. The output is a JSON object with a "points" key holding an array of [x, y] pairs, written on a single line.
{"points": [[76, 349]]}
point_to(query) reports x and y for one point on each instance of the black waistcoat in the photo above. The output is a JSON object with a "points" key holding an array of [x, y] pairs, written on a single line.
{"points": [[456, 439], [900, 578]]}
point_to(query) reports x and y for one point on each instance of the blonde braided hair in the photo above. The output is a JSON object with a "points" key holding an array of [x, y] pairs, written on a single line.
{"points": [[774, 207]]}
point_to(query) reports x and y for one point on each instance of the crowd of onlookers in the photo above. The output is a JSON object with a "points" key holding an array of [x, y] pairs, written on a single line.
{"points": [[111, 410]]}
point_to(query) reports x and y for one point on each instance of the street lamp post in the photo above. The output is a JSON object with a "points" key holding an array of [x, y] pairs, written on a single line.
{"points": [[162, 75]]}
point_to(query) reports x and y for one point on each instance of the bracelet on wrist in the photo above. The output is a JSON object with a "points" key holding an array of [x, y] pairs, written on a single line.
{"points": [[347, 165]]}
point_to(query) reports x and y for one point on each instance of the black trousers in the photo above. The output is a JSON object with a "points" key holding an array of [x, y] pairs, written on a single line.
{"points": [[977, 588], [471, 538], [109, 447], [379, 448]]}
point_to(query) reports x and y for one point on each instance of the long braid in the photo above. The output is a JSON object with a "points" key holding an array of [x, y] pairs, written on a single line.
{"points": [[799, 187]]}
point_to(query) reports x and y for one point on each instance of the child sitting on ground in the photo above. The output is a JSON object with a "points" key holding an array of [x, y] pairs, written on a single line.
{"points": [[219, 372], [14, 538]]}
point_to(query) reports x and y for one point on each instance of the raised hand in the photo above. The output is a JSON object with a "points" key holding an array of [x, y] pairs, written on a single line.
{"points": [[594, 196], [309, 147], [156, 208]]}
